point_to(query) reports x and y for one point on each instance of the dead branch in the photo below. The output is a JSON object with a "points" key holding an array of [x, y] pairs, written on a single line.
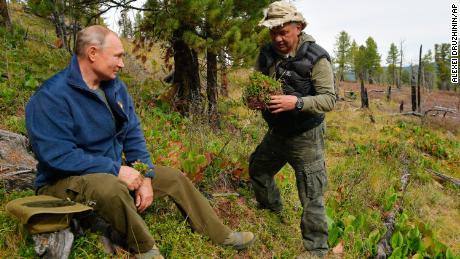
{"points": [[417, 114], [445, 178], [376, 91], [440, 109], [226, 194], [16, 173], [383, 247]]}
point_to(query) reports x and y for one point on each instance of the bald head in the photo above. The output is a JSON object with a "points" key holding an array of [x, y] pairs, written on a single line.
{"points": [[91, 36]]}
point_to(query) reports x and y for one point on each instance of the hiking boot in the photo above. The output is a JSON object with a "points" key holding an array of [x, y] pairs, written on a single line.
{"points": [[153, 253], [240, 240]]}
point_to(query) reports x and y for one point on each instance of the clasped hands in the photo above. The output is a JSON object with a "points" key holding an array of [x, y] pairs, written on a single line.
{"points": [[142, 186]]}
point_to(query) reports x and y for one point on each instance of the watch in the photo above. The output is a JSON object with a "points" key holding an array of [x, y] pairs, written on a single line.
{"points": [[299, 104]]}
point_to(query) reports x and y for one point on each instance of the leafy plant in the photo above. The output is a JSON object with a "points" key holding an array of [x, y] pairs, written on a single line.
{"points": [[142, 168], [256, 95], [390, 198], [193, 165]]}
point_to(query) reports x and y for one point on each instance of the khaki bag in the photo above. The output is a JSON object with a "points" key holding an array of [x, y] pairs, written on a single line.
{"points": [[43, 213]]}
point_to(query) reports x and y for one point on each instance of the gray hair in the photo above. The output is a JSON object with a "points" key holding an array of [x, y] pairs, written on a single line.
{"points": [[92, 35]]}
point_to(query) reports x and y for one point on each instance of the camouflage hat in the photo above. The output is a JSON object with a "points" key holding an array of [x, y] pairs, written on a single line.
{"points": [[44, 213], [279, 13]]}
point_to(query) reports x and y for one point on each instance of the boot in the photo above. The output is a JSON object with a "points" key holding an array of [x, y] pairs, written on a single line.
{"points": [[240, 240]]}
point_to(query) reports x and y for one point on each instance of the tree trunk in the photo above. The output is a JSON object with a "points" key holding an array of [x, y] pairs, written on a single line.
{"points": [[223, 74], [186, 78], [211, 90], [413, 86], [389, 93], [364, 99], [224, 81], [400, 65], [5, 18], [371, 79], [419, 77], [59, 23]]}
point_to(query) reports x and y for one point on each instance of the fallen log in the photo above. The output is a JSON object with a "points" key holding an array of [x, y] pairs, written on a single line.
{"points": [[445, 178], [440, 109], [417, 114], [383, 247]]}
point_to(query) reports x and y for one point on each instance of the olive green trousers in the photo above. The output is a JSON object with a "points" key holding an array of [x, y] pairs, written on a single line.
{"points": [[305, 153], [113, 202]]}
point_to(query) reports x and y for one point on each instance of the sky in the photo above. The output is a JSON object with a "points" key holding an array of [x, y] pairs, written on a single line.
{"points": [[414, 22]]}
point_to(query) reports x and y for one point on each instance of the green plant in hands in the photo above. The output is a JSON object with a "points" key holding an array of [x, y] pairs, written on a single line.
{"points": [[256, 95], [142, 168]]}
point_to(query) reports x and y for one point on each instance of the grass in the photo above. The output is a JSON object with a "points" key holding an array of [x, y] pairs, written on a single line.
{"points": [[364, 162]]}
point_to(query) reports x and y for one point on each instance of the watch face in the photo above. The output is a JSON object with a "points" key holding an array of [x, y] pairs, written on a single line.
{"points": [[299, 103]]}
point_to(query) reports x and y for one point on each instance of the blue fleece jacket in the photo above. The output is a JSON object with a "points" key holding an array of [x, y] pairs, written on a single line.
{"points": [[73, 132]]}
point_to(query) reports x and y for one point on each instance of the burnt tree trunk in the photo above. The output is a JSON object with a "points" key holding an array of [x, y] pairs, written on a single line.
{"points": [[413, 86], [364, 99], [211, 90], [186, 78], [5, 18], [389, 93], [419, 77]]}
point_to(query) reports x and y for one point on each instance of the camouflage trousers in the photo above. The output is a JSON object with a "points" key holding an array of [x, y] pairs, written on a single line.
{"points": [[305, 153]]}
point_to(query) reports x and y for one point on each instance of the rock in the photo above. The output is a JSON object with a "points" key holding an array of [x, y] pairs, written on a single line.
{"points": [[17, 165]]}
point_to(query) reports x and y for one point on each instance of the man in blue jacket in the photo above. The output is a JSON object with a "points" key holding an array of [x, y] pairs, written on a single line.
{"points": [[81, 122]]}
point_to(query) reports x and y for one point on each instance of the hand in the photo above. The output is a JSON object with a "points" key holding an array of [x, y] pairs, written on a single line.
{"points": [[144, 195], [131, 177], [282, 103]]}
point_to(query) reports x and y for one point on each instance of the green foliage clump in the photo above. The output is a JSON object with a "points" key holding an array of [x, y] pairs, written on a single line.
{"points": [[416, 241], [256, 95], [25, 65], [142, 168]]}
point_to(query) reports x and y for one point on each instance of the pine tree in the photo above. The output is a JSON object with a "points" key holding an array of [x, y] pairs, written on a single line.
{"points": [[192, 27], [125, 24], [392, 59], [342, 53], [442, 60], [67, 14], [354, 49], [360, 62], [372, 59], [137, 25], [429, 69]]}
